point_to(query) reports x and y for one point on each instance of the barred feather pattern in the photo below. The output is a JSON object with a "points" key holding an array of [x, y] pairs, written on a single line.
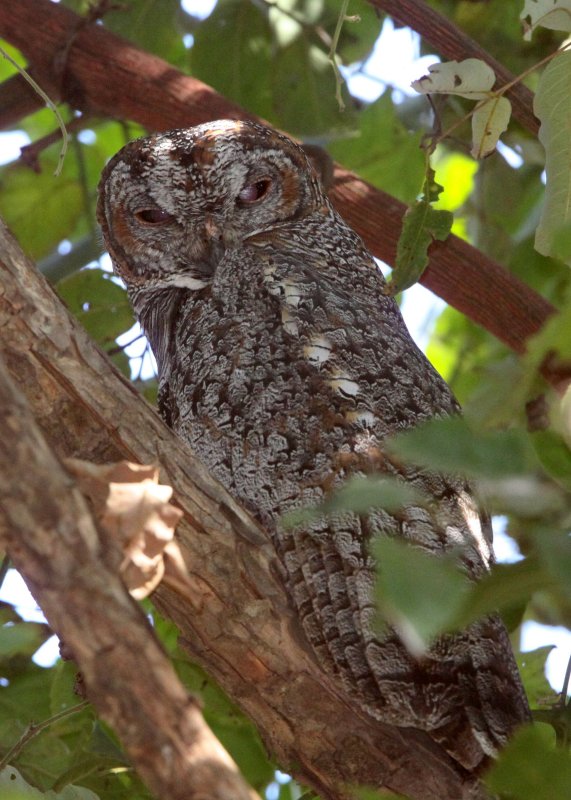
{"points": [[284, 366]]}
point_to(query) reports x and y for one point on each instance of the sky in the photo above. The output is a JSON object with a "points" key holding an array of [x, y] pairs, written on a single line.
{"points": [[394, 62]]}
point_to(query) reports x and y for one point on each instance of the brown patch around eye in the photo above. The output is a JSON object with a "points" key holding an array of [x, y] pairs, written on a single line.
{"points": [[290, 187], [204, 154]]}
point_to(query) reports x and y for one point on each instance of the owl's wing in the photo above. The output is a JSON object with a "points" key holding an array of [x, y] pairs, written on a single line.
{"points": [[466, 690]]}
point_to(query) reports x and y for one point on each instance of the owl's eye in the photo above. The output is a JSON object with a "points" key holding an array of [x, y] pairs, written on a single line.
{"points": [[253, 192], [153, 216]]}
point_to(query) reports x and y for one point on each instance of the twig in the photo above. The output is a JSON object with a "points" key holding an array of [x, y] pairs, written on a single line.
{"points": [[27, 77], [332, 53], [37, 727]]}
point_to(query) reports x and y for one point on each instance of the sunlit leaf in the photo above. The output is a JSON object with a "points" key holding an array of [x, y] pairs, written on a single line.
{"points": [[508, 586], [489, 121], [359, 495], [14, 787], [471, 78], [554, 14]]}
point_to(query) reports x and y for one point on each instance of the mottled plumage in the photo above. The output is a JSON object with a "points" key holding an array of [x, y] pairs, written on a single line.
{"points": [[284, 367]]}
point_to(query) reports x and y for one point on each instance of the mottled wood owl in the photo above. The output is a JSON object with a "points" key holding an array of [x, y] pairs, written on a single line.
{"points": [[284, 366]]}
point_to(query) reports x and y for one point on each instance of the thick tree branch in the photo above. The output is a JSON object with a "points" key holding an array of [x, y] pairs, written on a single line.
{"points": [[50, 536], [103, 74], [240, 627], [452, 43]]}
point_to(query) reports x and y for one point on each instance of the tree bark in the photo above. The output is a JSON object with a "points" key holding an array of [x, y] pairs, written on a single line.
{"points": [[48, 532], [240, 628], [99, 73]]}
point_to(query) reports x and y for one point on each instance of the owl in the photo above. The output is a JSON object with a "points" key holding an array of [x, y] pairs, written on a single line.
{"points": [[284, 365]]}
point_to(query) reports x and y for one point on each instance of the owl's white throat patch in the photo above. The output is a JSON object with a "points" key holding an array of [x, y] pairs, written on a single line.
{"points": [[184, 282]]}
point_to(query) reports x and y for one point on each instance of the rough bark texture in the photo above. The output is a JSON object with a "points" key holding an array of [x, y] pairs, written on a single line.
{"points": [[100, 73], [240, 627], [48, 532]]}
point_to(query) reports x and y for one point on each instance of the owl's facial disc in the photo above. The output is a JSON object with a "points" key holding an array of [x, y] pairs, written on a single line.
{"points": [[172, 204]]}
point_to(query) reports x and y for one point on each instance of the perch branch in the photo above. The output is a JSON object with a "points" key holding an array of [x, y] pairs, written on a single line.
{"points": [[49, 534]]}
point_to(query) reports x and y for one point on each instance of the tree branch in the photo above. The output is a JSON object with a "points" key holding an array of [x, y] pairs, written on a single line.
{"points": [[240, 628], [452, 43], [106, 75], [48, 532]]}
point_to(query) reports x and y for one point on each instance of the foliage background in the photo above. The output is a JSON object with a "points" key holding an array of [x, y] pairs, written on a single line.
{"points": [[271, 57]]}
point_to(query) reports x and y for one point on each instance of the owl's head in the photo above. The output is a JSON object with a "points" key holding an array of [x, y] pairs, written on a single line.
{"points": [[172, 203]]}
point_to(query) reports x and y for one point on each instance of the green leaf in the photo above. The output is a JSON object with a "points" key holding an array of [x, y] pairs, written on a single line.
{"points": [[359, 495], [554, 550], [237, 734], [303, 87], [421, 225], [41, 210], [358, 36], [532, 670], [100, 305], [552, 106], [449, 445], [14, 787], [22, 638], [153, 25], [489, 121], [507, 587], [383, 151], [417, 593], [376, 794], [554, 456], [232, 51], [531, 768]]}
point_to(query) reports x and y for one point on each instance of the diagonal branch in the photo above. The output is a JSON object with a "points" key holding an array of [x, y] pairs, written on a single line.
{"points": [[105, 75], [48, 532]]}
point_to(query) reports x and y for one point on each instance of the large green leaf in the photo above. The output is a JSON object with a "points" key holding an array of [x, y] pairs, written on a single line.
{"points": [[449, 445], [41, 210], [303, 87], [98, 303], [232, 51], [383, 152], [531, 768], [417, 593], [155, 25], [553, 107]]}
